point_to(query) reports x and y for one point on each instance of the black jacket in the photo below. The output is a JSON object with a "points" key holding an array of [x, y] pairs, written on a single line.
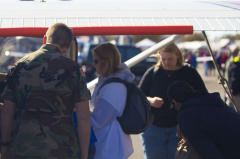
{"points": [[234, 77], [211, 126], [155, 83]]}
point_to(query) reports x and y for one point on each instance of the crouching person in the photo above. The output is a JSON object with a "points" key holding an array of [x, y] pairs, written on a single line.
{"points": [[211, 127]]}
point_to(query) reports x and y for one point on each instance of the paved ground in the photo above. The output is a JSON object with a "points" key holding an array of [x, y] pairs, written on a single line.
{"points": [[212, 86]]}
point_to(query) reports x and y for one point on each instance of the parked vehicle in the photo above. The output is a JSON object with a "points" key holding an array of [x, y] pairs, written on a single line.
{"points": [[14, 48], [127, 51]]}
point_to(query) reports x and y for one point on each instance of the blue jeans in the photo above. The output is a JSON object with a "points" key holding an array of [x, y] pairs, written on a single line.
{"points": [[160, 143]]}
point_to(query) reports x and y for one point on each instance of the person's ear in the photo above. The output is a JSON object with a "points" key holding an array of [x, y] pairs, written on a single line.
{"points": [[174, 101], [177, 105], [173, 104]]}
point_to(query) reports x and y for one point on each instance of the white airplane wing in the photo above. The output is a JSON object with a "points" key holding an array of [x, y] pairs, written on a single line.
{"points": [[217, 16], [187, 15]]}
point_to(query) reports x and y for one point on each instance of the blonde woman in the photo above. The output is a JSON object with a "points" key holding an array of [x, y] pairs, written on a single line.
{"points": [[109, 103], [160, 140]]}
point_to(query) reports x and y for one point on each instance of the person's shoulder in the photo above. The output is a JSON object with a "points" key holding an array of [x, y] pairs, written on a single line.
{"points": [[33, 56], [113, 91], [149, 71], [234, 66], [67, 62], [188, 68], [152, 68], [189, 113], [237, 64], [113, 85], [186, 118]]}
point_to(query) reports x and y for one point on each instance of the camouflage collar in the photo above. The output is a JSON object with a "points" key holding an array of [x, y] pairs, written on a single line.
{"points": [[50, 48]]}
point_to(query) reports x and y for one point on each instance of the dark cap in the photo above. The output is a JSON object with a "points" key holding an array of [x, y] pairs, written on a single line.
{"points": [[180, 91]]}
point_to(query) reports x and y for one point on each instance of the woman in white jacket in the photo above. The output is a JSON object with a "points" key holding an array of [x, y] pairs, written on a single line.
{"points": [[109, 103]]}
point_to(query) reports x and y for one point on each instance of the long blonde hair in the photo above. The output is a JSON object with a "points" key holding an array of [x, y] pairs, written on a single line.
{"points": [[171, 48]]}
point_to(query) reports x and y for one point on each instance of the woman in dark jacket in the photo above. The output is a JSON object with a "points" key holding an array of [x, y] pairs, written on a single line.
{"points": [[160, 140]]}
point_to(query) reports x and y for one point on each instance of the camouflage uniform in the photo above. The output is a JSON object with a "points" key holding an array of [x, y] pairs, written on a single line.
{"points": [[44, 86]]}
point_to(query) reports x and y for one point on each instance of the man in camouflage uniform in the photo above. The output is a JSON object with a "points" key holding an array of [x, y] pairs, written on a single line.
{"points": [[41, 92]]}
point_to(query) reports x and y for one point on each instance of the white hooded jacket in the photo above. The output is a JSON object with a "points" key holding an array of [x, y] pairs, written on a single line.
{"points": [[108, 104]]}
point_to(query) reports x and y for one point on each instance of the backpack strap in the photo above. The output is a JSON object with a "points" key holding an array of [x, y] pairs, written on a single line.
{"points": [[155, 70], [110, 80]]}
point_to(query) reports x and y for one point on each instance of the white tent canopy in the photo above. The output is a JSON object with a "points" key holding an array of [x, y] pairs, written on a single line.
{"points": [[145, 43], [216, 45]]}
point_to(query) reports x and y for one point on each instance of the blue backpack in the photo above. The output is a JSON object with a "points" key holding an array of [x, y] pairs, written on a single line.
{"points": [[137, 116]]}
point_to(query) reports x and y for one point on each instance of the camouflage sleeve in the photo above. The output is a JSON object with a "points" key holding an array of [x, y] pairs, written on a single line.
{"points": [[81, 92], [8, 93]]}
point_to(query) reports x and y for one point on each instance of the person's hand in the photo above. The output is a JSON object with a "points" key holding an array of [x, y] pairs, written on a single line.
{"points": [[155, 102]]}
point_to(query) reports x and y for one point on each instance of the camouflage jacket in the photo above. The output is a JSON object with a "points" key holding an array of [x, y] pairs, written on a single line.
{"points": [[44, 85]]}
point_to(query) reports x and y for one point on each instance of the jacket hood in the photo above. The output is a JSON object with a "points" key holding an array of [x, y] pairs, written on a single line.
{"points": [[209, 99], [124, 73]]}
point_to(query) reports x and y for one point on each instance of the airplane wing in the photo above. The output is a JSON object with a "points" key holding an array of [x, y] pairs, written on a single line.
{"points": [[217, 16], [190, 16]]}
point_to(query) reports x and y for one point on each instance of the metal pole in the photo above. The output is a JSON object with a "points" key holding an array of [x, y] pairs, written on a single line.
{"points": [[140, 57], [222, 80]]}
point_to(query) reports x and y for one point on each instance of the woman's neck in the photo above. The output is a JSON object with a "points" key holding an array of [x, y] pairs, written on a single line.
{"points": [[173, 69]]}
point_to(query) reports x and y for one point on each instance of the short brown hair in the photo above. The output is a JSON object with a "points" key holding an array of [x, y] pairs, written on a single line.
{"points": [[109, 53], [171, 48], [60, 34]]}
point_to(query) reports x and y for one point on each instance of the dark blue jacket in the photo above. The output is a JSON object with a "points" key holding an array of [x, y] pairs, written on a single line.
{"points": [[234, 77], [211, 126]]}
